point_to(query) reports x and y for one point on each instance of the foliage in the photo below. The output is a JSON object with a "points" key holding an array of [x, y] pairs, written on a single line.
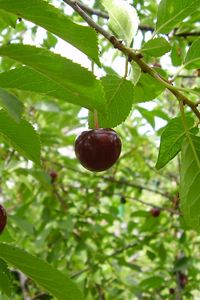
{"points": [[73, 234]]}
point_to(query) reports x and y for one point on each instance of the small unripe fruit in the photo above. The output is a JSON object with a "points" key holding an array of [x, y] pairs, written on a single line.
{"points": [[98, 149], [155, 212], [3, 218]]}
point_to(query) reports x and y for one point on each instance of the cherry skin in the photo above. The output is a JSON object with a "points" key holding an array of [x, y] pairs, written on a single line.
{"points": [[172, 291], [183, 279], [53, 175], [98, 149], [155, 212], [3, 218]]}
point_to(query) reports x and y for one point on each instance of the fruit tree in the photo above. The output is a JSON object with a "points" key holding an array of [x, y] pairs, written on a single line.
{"points": [[99, 149]]}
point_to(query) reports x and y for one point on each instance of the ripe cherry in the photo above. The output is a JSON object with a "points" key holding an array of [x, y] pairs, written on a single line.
{"points": [[183, 279], [155, 212], [53, 175], [3, 218], [172, 291], [98, 149]]}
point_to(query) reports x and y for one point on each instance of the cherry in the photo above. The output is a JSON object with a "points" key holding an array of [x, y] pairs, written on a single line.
{"points": [[183, 279], [3, 218], [172, 291], [98, 149], [155, 212], [53, 175]]}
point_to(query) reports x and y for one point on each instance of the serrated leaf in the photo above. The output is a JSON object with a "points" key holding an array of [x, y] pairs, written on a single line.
{"points": [[190, 179], [53, 281], [5, 284], [156, 47], [11, 104], [5, 280], [148, 115], [147, 89], [152, 282], [171, 13], [21, 136], [135, 72], [58, 72], [42, 14], [30, 80], [182, 264], [7, 18], [123, 19], [119, 96], [171, 140], [192, 60]]}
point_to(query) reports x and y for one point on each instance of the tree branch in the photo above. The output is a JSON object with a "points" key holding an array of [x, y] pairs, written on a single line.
{"points": [[102, 14], [132, 55]]}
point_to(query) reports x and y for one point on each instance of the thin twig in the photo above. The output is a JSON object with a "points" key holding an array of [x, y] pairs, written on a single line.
{"points": [[102, 14], [132, 55]]}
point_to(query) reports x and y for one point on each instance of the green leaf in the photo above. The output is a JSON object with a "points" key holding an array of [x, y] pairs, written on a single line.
{"points": [[148, 115], [42, 14], [65, 74], [5, 284], [123, 19], [21, 136], [192, 60], [8, 19], [119, 96], [171, 13], [5, 280], [147, 89], [135, 72], [156, 47], [30, 80], [152, 282], [182, 264], [171, 140], [178, 52], [190, 179], [53, 281], [11, 104]]}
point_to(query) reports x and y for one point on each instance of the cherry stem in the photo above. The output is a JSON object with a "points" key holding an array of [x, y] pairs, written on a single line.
{"points": [[96, 121]]}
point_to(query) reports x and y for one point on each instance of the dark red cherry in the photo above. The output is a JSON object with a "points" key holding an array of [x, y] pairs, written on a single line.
{"points": [[53, 175], [155, 212], [172, 291], [3, 218], [183, 279], [98, 149]]}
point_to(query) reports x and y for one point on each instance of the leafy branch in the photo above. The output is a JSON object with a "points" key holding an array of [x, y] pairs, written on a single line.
{"points": [[132, 55], [102, 14]]}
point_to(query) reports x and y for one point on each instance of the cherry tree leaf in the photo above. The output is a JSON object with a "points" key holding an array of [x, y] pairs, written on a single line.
{"points": [[5, 279], [119, 95], [53, 20], [171, 140], [11, 104], [147, 88], [156, 47], [123, 19], [190, 179], [171, 13], [78, 81], [22, 136], [53, 281], [192, 60]]}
